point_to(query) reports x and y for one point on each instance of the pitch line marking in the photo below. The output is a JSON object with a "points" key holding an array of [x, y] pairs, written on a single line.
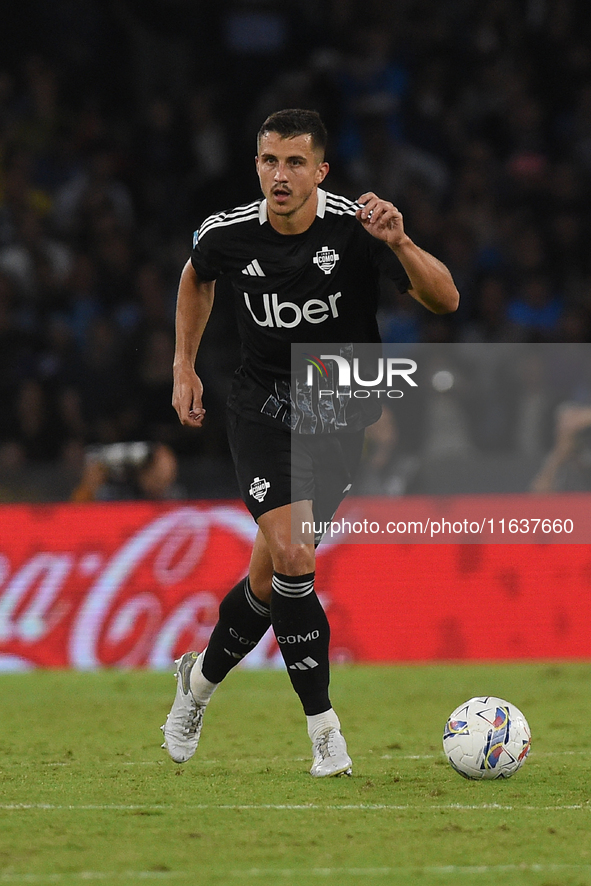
{"points": [[256, 760], [329, 807], [251, 873]]}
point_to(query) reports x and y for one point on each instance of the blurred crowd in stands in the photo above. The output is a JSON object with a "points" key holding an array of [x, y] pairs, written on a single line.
{"points": [[124, 123]]}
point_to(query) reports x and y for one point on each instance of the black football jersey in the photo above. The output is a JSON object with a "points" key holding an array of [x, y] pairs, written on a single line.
{"points": [[318, 286]]}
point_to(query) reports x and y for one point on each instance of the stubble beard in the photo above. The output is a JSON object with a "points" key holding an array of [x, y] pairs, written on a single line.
{"points": [[289, 213]]}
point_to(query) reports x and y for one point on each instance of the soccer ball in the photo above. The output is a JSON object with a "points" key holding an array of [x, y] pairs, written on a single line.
{"points": [[486, 737]]}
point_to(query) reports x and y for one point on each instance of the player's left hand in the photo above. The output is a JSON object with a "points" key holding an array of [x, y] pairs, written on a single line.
{"points": [[381, 219]]}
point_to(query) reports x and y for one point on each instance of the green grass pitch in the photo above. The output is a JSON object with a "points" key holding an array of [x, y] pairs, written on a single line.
{"points": [[89, 796]]}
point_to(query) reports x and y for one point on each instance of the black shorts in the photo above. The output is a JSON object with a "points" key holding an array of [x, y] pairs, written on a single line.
{"points": [[275, 468]]}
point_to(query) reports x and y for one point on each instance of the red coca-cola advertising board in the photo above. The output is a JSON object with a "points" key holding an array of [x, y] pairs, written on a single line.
{"points": [[136, 584]]}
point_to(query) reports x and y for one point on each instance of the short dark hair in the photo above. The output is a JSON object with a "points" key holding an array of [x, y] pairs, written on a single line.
{"points": [[296, 121]]}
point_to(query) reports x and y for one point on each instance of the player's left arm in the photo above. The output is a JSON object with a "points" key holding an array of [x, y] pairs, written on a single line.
{"points": [[431, 282]]}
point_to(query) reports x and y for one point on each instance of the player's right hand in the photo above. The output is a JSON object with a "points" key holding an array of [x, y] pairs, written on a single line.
{"points": [[187, 394]]}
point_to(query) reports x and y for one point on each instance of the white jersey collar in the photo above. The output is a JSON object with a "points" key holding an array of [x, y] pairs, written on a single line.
{"points": [[320, 208]]}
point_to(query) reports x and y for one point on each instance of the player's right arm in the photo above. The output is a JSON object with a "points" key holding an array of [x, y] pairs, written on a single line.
{"points": [[194, 303]]}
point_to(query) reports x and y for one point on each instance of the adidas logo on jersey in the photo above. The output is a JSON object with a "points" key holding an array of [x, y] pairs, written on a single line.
{"points": [[306, 665], [253, 269]]}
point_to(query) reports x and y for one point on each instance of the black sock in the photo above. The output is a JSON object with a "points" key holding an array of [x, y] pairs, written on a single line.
{"points": [[243, 621], [303, 635]]}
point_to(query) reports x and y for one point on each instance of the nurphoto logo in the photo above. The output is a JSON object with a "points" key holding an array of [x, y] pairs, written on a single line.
{"points": [[385, 372]]}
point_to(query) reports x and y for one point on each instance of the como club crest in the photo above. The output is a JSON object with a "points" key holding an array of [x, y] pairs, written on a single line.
{"points": [[326, 259], [258, 488]]}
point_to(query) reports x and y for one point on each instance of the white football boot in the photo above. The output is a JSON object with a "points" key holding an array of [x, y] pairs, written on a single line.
{"points": [[183, 724], [330, 755]]}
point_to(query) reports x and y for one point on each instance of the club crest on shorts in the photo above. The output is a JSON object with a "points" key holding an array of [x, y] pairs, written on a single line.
{"points": [[326, 259], [258, 488]]}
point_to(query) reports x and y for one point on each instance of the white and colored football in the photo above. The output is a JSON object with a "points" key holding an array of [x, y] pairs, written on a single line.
{"points": [[486, 737]]}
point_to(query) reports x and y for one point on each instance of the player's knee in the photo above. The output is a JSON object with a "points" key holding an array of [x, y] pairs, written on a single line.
{"points": [[293, 559]]}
